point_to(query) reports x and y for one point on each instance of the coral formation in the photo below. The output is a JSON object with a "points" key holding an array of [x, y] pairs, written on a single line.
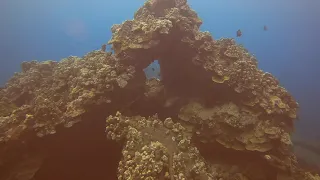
{"points": [[237, 128], [213, 115], [50, 93], [154, 149]]}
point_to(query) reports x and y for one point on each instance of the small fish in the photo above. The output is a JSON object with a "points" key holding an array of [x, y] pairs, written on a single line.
{"points": [[239, 33], [104, 47], [265, 28]]}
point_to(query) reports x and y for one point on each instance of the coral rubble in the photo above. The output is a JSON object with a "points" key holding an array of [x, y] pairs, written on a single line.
{"points": [[213, 115]]}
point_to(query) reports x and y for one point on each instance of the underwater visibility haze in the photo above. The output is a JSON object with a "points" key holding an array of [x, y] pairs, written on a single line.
{"points": [[164, 99]]}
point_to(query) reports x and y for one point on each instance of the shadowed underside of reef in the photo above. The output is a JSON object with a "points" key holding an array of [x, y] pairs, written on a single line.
{"points": [[214, 114]]}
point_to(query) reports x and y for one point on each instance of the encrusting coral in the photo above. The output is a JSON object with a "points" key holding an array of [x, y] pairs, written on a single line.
{"points": [[154, 149], [211, 99], [51, 93]]}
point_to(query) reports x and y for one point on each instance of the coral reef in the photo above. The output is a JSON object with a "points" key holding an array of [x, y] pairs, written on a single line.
{"points": [[213, 115], [51, 93], [154, 149]]}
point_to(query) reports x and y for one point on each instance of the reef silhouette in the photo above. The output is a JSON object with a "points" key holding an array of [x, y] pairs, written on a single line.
{"points": [[213, 115]]}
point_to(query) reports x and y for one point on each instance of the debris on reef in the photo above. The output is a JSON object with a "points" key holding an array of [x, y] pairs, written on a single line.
{"points": [[213, 115]]}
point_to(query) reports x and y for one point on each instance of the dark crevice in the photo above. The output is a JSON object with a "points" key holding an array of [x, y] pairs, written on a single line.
{"points": [[215, 153], [24, 98], [81, 152]]}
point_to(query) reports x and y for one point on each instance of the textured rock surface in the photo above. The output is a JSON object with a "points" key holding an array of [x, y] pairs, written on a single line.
{"points": [[51, 93], [214, 114], [154, 149]]}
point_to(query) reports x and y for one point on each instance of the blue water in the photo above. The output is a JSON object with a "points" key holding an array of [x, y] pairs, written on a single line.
{"points": [[290, 49]]}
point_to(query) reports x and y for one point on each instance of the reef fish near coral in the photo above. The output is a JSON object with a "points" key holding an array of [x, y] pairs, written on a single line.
{"points": [[239, 33], [103, 47]]}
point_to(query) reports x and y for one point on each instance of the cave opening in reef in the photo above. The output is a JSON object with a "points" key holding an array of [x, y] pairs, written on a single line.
{"points": [[153, 70]]}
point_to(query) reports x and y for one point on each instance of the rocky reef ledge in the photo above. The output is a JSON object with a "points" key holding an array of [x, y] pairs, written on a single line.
{"points": [[213, 115]]}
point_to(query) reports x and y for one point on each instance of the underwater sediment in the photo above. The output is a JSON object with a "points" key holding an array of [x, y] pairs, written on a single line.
{"points": [[213, 115]]}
